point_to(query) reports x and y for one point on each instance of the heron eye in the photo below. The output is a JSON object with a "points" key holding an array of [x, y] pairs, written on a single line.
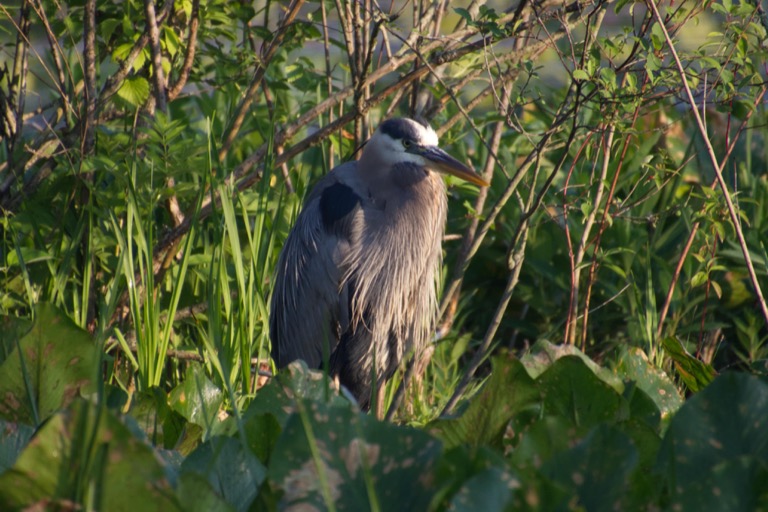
{"points": [[406, 143]]}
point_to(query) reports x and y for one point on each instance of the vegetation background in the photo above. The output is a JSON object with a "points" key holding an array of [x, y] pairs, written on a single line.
{"points": [[602, 341]]}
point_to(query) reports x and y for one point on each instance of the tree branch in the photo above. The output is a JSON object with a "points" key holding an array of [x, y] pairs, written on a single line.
{"points": [[732, 213]]}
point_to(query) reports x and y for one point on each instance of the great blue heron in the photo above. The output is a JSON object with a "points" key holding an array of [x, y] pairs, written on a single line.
{"points": [[355, 282]]}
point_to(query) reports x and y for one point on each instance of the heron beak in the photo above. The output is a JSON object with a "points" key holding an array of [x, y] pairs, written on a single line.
{"points": [[445, 163]]}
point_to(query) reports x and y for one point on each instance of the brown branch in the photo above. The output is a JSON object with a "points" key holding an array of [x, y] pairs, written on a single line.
{"points": [[695, 228], [89, 73], [258, 76], [734, 216], [471, 231], [158, 75], [60, 79], [12, 104], [189, 55]]}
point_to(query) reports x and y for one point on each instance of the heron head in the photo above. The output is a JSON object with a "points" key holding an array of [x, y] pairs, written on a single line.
{"points": [[400, 140]]}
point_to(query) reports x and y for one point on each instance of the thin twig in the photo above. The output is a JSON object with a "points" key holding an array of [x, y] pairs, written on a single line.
{"points": [[514, 261], [717, 167], [695, 227], [13, 105]]}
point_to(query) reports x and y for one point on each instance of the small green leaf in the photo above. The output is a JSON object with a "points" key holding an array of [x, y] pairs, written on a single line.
{"points": [[580, 74], [699, 278], [696, 374], [134, 91]]}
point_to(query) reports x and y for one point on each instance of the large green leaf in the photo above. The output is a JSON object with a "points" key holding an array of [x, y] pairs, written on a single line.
{"points": [[715, 452], [572, 390], [544, 354], [331, 456], [12, 329], [85, 455], [597, 470], [294, 381], [196, 495], [198, 400], [52, 364], [633, 364], [13, 438], [229, 468], [508, 390]]}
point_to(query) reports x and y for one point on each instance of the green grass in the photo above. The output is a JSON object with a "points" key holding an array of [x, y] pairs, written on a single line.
{"points": [[133, 361]]}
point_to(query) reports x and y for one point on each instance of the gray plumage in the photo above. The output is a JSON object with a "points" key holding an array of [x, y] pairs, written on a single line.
{"points": [[355, 282]]}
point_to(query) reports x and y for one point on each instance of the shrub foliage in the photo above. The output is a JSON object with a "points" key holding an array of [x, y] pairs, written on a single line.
{"points": [[603, 327]]}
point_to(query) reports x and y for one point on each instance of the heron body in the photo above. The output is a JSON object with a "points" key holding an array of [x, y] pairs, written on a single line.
{"points": [[355, 282]]}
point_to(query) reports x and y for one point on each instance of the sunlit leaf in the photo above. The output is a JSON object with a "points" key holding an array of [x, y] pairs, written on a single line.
{"points": [[53, 363]]}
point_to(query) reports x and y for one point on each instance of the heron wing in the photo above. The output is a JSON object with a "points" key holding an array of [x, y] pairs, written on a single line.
{"points": [[309, 305]]}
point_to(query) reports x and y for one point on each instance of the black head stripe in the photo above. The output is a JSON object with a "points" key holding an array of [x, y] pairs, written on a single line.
{"points": [[399, 129]]}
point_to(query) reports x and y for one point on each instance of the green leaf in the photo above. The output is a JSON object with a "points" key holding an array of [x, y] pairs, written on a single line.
{"points": [[85, 455], [696, 374], [331, 456], [597, 470], [197, 399], [580, 74], [230, 468], [715, 452], [508, 390], [544, 353], [134, 91], [295, 380], [699, 278], [53, 363], [571, 390], [463, 13], [633, 364]]}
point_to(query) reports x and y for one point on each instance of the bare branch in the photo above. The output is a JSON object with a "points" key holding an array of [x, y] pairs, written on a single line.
{"points": [[158, 75], [733, 214], [12, 103], [189, 55], [89, 59], [258, 76]]}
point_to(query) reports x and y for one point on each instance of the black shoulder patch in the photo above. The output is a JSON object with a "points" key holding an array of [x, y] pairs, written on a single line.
{"points": [[336, 202], [398, 129]]}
